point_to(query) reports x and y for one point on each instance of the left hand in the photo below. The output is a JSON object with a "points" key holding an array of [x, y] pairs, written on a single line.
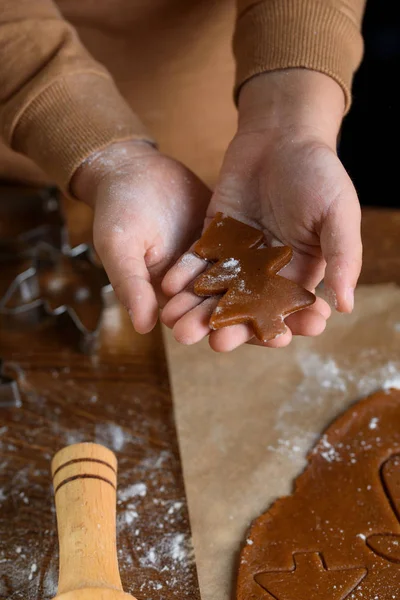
{"points": [[147, 209], [281, 173]]}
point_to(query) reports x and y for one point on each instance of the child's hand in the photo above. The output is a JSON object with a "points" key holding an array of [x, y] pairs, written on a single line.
{"points": [[281, 172], [148, 209]]}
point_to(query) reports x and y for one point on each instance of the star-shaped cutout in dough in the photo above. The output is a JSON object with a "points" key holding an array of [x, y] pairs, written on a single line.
{"points": [[310, 580], [387, 545], [246, 272]]}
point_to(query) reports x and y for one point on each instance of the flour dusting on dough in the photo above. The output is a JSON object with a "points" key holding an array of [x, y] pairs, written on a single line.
{"points": [[327, 451], [392, 383], [321, 377]]}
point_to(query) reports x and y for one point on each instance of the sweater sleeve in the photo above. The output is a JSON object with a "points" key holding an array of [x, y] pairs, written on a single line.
{"points": [[57, 104], [322, 35]]}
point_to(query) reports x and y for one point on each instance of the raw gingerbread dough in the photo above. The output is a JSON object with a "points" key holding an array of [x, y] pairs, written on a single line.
{"points": [[245, 271], [338, 536], [247, 419]]}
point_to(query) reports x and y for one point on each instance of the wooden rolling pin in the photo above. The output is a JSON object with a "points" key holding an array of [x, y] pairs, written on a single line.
{"points": [[85, 483]]}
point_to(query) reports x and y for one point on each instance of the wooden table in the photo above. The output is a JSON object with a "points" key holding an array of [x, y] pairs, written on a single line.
{"points": [[381, 239], [119, 397]]}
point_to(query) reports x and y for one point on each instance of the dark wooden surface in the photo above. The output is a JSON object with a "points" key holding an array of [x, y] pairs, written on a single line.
{"points": [[381, 239], [119, 397]]}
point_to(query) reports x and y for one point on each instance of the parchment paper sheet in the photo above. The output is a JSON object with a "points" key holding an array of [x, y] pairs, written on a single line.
{"points": [[247, 419]]}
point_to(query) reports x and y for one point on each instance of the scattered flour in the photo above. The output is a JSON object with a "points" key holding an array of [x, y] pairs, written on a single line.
{"points": [[241, 286], [373, 424], [151, 557], [230, 267], [33, 571], [231, 263], [325, 371], [110, 435], [74, 437], [137, 489], [154, 556], [322, 379], [167, 549], [392, 383], [327, 451], [175, 507], [177, 547], [130, 516]]}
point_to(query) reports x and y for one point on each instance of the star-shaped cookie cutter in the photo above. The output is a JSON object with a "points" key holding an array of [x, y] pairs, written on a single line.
{"points": [[30, 216], [34, 243], [68, 286]]}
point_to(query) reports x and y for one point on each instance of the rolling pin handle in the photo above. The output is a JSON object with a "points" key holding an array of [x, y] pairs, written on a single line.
{"points": [[85, 483]]}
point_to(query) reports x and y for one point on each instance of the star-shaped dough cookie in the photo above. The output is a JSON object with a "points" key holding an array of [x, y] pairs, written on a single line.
{"points": [[246, 272]]}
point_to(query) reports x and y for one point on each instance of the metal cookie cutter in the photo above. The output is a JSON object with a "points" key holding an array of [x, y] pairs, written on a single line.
{"points": [[9, 390], [67, 286], [29, 216]]}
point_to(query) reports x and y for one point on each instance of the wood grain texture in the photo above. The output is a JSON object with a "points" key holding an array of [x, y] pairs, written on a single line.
{"points": [[85, 486], [121, 398]]}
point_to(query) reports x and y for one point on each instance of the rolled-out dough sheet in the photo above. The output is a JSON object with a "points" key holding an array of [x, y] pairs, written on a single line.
{"points": [[247, 419]]}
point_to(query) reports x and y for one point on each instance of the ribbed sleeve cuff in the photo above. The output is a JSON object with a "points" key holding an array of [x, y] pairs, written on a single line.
{"points": [[71, 119], [282, 34]]}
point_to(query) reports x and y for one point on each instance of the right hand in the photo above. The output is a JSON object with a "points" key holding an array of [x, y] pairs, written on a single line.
{"points": [[148, 209], [281, 174]]}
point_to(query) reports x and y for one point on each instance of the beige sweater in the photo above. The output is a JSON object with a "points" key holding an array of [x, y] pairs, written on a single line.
{"points": [[80, 74]]}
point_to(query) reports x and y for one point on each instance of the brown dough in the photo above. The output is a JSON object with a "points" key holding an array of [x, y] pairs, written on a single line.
{"points": [[247, 272], [338, 536]]}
